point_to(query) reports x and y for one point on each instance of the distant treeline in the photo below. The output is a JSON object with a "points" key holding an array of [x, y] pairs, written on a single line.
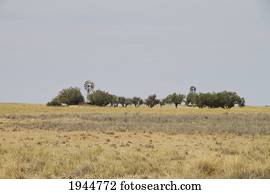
{"points": [[73, 96]]}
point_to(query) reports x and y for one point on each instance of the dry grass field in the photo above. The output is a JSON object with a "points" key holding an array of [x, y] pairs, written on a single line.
{"points": [[91, 142]]}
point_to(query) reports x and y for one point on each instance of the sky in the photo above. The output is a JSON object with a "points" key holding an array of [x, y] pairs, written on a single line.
{"points": [[134, 48]]}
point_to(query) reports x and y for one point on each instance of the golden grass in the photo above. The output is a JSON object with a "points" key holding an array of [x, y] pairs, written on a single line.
{"points": [[39, 109], [92, 142]]}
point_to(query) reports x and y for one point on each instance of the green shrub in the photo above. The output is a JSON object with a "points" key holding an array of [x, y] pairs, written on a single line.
{"points": [[100, 98], [162, 102], [54, 102], [151, 101], [122, 100], [175, 99], [128, 101], [241, 102], [115, 101], [219, 100], [191, 99], [137, 101], [69, 96]]}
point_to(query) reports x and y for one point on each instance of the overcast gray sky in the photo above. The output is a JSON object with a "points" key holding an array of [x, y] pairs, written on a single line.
{"points": [[134, 47]]}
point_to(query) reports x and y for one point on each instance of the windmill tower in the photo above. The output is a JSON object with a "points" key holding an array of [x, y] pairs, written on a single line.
{"points": [[192, 90], [89, 86]]}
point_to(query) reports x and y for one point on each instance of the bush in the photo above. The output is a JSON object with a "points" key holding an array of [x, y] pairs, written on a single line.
{"points": [[122, 101], [128, 101], [219, 100], [54, 102], [115, 101], [100, 98], [137, 101], [151, 101], [162, 102], [69, 96], [175, 99], [191, 99], [241, 102]]}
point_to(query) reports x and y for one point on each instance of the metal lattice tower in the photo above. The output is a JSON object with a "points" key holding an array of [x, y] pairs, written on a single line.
{"points": [[193, 89], [89, 86]]}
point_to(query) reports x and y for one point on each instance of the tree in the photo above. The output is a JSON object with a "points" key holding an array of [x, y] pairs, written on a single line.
{"points": [[175, 99], [54, 102], [223, 99], [151, 101], [115, 101], [205, 100], [162, 102], [191, 99], [241, 102], [122, 101], [227, 99], [100, 98], [69, 96], [137, 101], [128, 101]]}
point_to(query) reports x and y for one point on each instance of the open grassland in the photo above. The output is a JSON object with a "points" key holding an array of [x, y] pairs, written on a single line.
{"points": [[92, 142]]}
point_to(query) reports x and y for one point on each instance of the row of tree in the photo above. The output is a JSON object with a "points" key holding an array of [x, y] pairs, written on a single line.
{"points": [[215, 100], [101, 98], [73, 96]]}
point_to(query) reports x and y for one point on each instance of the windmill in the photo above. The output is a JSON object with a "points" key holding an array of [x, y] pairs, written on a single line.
{"points": [[89, 86], [192, 89]]}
